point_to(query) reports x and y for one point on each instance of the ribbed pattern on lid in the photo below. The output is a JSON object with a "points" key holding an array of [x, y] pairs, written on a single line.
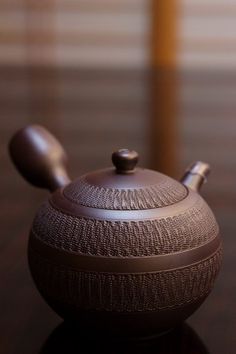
{"points": [[165, 193]]}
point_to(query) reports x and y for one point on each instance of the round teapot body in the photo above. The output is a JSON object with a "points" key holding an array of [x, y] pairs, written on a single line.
{"points": [[124, 249], [133, 272]]}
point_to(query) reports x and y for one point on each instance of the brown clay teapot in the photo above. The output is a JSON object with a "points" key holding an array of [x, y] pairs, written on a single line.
{"points": [[124, 249]]}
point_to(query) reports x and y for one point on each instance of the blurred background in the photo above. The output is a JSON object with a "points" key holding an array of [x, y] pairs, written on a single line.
{"points": [[154, 76]]}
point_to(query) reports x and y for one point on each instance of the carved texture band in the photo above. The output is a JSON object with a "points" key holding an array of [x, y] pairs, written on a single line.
{"points": [[124, 264], [192, 228], [124, 292]]}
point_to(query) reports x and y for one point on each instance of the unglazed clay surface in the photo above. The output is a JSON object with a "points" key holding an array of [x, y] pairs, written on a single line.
{"points": [[125, 247]]}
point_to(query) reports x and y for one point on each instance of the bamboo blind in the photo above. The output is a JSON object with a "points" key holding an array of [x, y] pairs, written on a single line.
{"points": [[207, 88], [78, 67], [72, 63], [207, 34], [74, 33]]}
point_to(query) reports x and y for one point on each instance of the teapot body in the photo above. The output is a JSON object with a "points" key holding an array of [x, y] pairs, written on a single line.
{"points": [[124, 250], [136, 274]]}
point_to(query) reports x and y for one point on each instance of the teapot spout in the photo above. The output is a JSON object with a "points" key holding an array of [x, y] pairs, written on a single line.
{"points": [[195, 175]]}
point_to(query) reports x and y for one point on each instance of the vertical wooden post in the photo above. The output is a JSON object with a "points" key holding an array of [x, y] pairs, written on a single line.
{"points": [[163, 86]]}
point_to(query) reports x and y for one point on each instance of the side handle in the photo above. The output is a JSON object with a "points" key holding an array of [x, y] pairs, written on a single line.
{"points": [[39, 157]]}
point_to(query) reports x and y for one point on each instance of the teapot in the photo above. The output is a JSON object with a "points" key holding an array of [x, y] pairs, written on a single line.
{"points": [[125, 250]]}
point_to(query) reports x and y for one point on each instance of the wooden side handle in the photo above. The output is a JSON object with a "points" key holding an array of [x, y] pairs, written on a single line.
{"points": [[39, 157]]}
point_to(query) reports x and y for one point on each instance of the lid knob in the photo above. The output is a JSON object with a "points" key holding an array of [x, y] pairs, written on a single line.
{"points": [[125, 160]]}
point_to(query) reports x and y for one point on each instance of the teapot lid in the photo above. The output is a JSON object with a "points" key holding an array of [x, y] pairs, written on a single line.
{"points": [[125, 187]]}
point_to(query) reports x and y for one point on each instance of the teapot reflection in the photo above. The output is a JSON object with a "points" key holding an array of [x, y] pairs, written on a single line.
{"points": [[70, 339]]}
